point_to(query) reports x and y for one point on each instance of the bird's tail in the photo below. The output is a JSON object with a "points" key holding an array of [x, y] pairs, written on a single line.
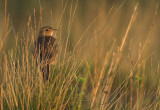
{"points": [[45, 71]]}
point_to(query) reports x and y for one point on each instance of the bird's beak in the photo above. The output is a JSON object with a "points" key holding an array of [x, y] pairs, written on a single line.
{"points": [[55, 29]]}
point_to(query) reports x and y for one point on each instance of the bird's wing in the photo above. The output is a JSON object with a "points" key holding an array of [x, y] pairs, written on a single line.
{"points": [[53, 51]]}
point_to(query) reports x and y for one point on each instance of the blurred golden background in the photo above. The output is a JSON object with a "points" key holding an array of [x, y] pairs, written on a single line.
{"points": [[94, 31], [107, 18]]}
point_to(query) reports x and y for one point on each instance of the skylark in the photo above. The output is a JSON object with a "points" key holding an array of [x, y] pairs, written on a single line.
{"points": [[46, 49]]}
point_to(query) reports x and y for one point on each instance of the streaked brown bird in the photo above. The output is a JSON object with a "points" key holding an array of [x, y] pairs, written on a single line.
{"points": [[46, 50]]}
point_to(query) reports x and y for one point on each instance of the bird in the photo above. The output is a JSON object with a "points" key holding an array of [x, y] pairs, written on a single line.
{"points": [[46, 50]]}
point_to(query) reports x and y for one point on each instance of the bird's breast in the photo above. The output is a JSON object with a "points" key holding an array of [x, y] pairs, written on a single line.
{"points": [[47, 47]]}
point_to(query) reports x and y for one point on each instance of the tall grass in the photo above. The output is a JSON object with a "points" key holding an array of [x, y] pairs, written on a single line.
{"points": [[105, 60]]}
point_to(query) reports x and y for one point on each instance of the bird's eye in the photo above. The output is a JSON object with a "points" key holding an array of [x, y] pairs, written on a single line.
{"points": [[46, 29]]}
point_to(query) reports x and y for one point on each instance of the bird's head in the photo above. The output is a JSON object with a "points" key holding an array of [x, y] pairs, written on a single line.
{"points": [[47, 31]]}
